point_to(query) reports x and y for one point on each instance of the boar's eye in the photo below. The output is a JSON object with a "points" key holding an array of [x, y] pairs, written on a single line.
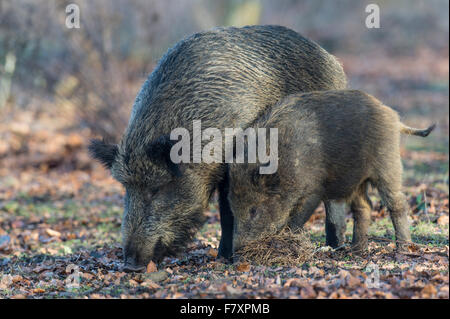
{"points": [[151, 192]]}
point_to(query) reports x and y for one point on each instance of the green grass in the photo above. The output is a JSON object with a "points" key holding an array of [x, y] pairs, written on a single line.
{"points": [[430, 234], [424, 232], [430, 144]]}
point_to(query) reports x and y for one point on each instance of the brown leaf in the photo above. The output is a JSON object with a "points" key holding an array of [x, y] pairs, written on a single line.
{"points": [[150, 284], [443, 220], [293, 282], [243, 267], [308, 292], [133, 282], [151, 267], [353, 281], [429, 291], [5, 281], [17, 278], [38, 290], [178, 295], [212, 252], [87, 276], [52, 233], [412, 248]]}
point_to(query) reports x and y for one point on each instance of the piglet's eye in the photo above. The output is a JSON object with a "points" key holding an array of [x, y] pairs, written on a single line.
{"points": [[254, 211]]}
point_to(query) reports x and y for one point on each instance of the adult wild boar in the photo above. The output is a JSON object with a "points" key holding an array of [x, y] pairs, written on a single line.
{"points": [[225, 78], [331, 146]]}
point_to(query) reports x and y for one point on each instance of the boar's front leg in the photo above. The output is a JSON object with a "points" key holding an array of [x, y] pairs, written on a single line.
{"points": [[335, 223], [226, 220]]}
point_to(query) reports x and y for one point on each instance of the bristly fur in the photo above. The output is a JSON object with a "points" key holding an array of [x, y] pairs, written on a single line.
{"points": [[159, 151], [103, 152], [224, 77], [331, 146]]}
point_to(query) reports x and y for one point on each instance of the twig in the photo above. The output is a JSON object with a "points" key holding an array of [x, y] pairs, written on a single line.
{"points": [[332, 249], [340, 247]]}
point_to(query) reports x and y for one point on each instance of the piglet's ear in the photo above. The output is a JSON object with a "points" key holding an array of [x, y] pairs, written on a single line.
{"points": [[103, 152], [159, 152]]}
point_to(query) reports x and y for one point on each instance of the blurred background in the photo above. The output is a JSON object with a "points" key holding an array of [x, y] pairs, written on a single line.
{"points": [[60, 86]]}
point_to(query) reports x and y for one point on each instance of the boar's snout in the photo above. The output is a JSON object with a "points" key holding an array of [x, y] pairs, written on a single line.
{"points": [[137, 258], [134, 259], [132, 262], [133, 268]]}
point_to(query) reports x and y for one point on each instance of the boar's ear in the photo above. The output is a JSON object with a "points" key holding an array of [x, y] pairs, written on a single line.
{"points": [[103, 152], [159, 151]]}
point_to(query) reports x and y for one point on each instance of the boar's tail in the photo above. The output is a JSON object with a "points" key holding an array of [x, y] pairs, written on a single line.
{"points": [[414, 131]]}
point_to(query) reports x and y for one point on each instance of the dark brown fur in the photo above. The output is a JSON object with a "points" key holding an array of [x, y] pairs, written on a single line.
{"points": [[226, 78], [331, 146]]}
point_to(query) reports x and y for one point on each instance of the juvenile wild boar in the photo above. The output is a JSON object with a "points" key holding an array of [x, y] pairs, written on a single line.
{"points": [[331, 146], [225, 78]]}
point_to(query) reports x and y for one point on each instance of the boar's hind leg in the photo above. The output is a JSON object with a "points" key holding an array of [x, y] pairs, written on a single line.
{"points": [[361, 208], [390, 189], [395, 202], [226, 221], [335, 223]]}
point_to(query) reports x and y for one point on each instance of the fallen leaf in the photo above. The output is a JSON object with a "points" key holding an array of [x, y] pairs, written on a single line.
{"points": [[151, 267], [212, 252], [429, 291], [443, 220], [293, 282], [133, 282], [150, 284], [353, 281], [157, 276], [38, 290], [308, 292], [17, 278], [412, 248], [87, 276], [5, 281], [52, 233], [243, 267]]}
